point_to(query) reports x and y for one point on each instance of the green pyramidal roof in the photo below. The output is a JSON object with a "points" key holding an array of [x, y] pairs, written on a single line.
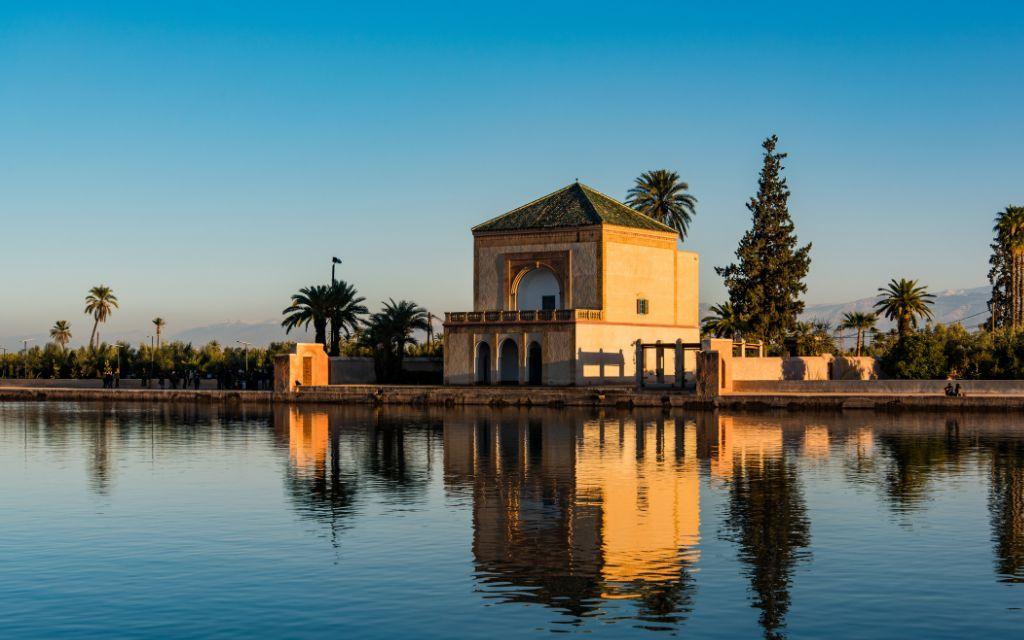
{"points": [[574, 206]]}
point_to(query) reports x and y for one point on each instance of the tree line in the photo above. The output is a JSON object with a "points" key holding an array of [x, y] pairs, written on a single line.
{"points": [[230, 367], [336, 313], [765, 285], [343, 324]]}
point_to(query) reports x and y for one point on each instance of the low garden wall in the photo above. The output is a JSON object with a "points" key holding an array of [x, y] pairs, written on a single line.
{"points": [[354, 370], [867, 387], [802, 368]]}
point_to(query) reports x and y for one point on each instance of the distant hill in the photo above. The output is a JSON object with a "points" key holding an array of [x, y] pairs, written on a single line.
{"points": [[257, 333], [952, 305]]}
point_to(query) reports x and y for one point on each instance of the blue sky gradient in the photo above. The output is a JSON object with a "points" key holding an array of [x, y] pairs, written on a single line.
{"points": [[205, 160]]}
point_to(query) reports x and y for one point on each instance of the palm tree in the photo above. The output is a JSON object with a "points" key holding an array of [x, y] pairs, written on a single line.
{"points": [[905, 301], [346, 313], [100, 302], [61, 333], [389, 331], [661, 195], [860, 322], [1009, 230], [310, 304], [160, 323], [725, 323]]}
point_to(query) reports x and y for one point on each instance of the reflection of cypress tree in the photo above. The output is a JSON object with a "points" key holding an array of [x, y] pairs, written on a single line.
{"points": [[1006, 506], [768, 519]]}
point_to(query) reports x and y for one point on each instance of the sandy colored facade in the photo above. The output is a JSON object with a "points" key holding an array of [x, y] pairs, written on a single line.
{"points": [[562, 289], [305, 366]]}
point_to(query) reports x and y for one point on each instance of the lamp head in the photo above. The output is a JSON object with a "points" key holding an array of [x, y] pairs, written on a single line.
{"points": [[336, 260]]}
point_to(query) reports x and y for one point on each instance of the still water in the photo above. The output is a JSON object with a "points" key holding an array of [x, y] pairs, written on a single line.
{"points": [[185, 521]]}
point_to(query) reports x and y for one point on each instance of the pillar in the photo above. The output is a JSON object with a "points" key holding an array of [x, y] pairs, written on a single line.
{"points": [[680, 368], [639, 364]]}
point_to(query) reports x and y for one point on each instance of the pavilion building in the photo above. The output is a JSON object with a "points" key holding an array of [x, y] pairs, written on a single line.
{"points": [[563, 287]]}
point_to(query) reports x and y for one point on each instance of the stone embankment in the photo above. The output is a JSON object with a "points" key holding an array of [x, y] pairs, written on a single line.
{"points": [[618, 396], [10, 393]]}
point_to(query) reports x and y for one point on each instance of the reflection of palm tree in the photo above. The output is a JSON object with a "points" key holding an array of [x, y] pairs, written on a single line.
{"points": [[100, 466], [388, 458], [320, 491], [768, 519], [1006, 506]]}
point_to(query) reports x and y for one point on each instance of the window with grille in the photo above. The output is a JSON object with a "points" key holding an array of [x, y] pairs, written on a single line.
{"points": [[641, 306]]}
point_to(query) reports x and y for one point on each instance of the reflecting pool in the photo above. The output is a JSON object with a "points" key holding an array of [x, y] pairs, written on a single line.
{"points": [[123, 520]]}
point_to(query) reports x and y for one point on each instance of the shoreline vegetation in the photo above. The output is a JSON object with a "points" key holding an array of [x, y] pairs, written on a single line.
{"points": [[765, 286]]}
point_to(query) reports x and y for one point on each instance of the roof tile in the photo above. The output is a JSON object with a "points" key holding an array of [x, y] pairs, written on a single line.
{"points": [[576, 205]]}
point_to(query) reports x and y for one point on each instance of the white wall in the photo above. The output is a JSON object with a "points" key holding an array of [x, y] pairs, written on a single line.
{"points": [[533, 287]]}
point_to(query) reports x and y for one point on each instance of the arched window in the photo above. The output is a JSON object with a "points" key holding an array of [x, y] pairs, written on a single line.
{"points": [[538, 289]]}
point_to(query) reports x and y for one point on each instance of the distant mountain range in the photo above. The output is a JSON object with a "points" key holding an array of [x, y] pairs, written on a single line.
{"points": [[969, 306], [226, 333], [954, 305]]}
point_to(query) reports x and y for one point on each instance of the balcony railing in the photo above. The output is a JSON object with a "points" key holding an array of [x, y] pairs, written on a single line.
{"points": [[526, 316]]}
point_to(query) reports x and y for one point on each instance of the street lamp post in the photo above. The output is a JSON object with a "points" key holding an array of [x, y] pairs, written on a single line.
{"points": [[24, 356], [152, 357], [117, 370], [5, 361], [246, 346], [335, 261]]}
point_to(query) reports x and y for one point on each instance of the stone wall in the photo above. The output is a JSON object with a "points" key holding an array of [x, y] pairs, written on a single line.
{"points": [[349, 370], [866, 387], [825, 367]]}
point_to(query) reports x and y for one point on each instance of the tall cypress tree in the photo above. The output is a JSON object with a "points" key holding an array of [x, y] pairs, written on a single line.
{"points": [[766, 282]]}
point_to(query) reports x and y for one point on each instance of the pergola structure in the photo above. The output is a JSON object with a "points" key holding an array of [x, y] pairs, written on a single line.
{"points": [[678, 348]]}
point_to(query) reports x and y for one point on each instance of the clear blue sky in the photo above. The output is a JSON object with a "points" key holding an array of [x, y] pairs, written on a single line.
{"points": [[207, 159]]}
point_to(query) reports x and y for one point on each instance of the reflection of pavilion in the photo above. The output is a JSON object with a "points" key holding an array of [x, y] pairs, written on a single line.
{"points": [[576, 512], [307, 438], [741, 442]]}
